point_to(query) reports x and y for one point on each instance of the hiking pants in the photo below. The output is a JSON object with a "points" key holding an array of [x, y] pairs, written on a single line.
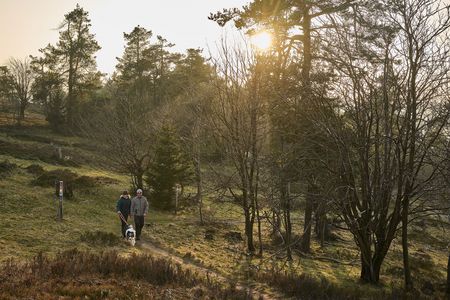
{"points": [[124, 225], [139, 223]]}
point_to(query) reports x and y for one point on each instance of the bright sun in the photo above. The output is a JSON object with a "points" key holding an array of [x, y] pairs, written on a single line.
{"points": [[261, 40]]}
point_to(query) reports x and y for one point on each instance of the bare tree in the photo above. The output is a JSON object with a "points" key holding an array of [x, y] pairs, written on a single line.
{"points": [[423, 26], [125, 130], [237, 116], [390, 115], [22, 76]]}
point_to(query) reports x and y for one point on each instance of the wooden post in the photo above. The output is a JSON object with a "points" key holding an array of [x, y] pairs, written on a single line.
{"points": [[60, 206], [60, 153], [177, 191]]}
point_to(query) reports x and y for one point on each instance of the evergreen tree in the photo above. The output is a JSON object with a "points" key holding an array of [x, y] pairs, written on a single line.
{"points": [[75, 49], [161, 65], [71, 62], [6, 84], [134, 62], [47, 88], [168, 168]]}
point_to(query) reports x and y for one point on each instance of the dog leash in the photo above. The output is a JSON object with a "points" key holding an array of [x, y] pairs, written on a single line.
{"points": [[123, 219]]}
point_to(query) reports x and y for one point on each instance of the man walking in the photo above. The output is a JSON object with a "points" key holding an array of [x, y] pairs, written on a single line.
{"points": [[139, 209]]}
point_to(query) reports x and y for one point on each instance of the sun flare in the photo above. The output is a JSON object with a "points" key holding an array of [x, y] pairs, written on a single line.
{"points": [[261, 40]]}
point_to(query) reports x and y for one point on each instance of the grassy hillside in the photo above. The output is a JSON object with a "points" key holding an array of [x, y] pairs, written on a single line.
{"points": [[29, 226]]}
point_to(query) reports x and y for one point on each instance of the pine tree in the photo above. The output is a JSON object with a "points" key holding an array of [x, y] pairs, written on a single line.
{"points": [[71, 62], [169, 167], [134, 62]]}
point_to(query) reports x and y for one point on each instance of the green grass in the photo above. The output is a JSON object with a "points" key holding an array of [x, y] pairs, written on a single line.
{"points": [[29, 217], [29, 226]]}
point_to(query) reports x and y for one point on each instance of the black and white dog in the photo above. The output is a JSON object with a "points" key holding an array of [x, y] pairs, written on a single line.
{"points": [[130, 235]]}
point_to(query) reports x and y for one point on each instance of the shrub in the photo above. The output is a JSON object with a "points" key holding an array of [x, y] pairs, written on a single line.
{"points": [[78, 274], [85, 182], [304, 286], [51, 178], [169, 167], [48, 178], [6, 167], [35, 169], [103, 180]]}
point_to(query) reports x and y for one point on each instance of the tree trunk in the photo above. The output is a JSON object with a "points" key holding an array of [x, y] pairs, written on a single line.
{"points": [[306, 98], [138, 180], [22, 111], [258, 216], [406, 269], [276, 222], [198, 176], [306, 238], [288, 234], [70, 100], [249, 230], [448, 274], [370, 270], [258, 219], [321, 223], [287, 218]]}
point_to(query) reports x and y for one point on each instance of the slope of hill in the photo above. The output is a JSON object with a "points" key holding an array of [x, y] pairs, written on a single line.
{"points": [[33, 242]]}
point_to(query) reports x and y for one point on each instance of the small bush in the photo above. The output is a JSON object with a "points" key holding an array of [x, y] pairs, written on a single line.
{"points": [[422, 261], [233, 237], [74, 263], [35, 169], [6, 167], [103, 180], [85, 182], [50, 179]]}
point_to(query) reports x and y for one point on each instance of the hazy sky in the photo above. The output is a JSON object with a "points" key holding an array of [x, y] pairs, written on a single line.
{"points": [[27, 25]]}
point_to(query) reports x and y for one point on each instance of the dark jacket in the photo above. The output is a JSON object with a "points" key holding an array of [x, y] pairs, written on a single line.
{"points": [[123, 205]]}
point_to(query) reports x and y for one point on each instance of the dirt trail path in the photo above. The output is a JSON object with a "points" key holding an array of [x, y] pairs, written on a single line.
{"points": [[256, 294]]}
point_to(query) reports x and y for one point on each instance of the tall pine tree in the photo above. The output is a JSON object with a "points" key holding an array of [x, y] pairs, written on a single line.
{"points": [[72, 59]]}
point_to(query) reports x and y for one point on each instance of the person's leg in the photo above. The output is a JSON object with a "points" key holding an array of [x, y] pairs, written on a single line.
{"points": [[137, 223], [142, 225], [124, 227]]}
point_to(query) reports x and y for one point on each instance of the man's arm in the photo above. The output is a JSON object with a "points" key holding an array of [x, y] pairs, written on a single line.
{"points": [[132, 207], [146, 207]]}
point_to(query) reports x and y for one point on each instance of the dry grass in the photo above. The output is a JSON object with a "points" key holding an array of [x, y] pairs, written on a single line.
{"points": [[78, 274]]}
